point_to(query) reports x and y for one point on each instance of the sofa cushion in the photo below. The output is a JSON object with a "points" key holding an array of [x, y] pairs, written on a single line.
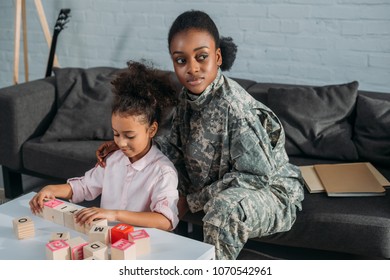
{"points": [[84, 105], [372, 129], [317, 120], [60, 159], [354, 225]]}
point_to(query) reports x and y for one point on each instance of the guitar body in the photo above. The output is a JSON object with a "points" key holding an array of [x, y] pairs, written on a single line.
{"points": [[62, 20]]}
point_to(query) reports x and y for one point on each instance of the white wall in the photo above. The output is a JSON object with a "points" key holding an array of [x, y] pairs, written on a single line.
{"points": [[292, 41]]}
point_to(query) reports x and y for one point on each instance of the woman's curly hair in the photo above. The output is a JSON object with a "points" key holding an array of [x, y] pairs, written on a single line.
{"points": [[141, 90]]}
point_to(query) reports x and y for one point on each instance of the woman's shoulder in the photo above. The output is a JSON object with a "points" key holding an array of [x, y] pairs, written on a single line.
{"points": [[241, 103], [236, 97]]}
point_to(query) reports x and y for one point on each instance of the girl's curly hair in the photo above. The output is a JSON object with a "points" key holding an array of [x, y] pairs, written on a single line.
{"points": [[141, 90]]}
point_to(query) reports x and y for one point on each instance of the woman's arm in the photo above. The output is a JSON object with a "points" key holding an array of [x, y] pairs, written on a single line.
{"points": [[254, 157]]}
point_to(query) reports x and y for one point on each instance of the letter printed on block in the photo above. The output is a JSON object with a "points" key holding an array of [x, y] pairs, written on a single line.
{"points": [[120, 231], [123, 249], [57, 250]]}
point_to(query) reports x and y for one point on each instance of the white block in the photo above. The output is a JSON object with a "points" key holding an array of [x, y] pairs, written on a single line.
{"points": [[99, 233], [69, 217], [95, 222], [96, 249], [23, 227]]}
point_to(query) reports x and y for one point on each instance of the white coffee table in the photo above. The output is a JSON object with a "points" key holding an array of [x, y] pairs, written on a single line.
{"points": [[164, 245]]}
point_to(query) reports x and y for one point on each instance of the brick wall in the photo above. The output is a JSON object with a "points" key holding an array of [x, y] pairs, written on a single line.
{"points": [[292, 41]]}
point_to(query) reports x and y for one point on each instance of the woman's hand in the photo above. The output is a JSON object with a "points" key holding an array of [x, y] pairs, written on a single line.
{"points": [[88, 215], [103, 151]]}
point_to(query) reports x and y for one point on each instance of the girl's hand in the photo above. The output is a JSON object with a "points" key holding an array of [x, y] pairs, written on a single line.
{"points": [[87, 215], [103, 151], [36, 203]]}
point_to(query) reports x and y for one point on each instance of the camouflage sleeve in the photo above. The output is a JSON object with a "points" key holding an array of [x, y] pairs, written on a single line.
{"points": [[252, 155]]}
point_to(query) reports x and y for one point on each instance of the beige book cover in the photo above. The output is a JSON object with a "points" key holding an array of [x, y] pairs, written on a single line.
{"points": [[314, 184], [349, 180]]}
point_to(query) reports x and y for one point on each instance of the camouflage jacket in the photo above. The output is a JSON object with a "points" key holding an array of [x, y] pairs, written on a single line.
{"points": [[225, 138]]}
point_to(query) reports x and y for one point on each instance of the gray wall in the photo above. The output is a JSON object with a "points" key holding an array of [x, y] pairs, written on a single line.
{"points": [[292, 41]]}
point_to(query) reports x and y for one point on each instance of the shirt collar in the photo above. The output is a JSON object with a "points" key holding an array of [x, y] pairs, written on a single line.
{"points": [[142, 162]]}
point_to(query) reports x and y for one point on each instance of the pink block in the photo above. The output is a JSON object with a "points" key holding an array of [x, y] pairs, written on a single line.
{"points": [[122, 244], [138, 234], [53, 203], [57, 245]]}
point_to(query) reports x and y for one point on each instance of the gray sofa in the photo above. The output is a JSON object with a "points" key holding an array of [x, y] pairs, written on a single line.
{"points": [[52, 127]]}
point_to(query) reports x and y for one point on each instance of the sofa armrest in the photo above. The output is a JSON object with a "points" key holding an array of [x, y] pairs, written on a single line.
{"points": [[26, 110]]}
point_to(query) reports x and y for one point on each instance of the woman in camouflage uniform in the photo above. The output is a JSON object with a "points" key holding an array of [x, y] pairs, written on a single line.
{"points": [[228, 148]]}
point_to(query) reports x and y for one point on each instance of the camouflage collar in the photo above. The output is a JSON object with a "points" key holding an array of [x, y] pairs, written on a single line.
{"points": [[207, 95]]}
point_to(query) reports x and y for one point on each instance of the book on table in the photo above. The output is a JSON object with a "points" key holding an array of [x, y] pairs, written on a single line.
{"points": [[346, 179]]}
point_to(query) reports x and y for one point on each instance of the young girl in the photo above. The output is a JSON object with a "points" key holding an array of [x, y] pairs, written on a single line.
{"points": [[139, 184], [228, 148]]}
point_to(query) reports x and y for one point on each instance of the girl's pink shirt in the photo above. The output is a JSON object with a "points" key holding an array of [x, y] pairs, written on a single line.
{"points": [[149, 184]]}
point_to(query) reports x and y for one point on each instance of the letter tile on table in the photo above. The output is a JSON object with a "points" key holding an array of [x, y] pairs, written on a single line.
{"points": [[142, 239], [99, 233], [23, 227], [96, 249], [57, 250], [123, 249], [120, 231], [76, 245]]}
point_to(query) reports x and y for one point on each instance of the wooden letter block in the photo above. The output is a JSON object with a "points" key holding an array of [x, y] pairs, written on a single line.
{"points": [[69, 218], [60, 236], [49, 212], [78, 227], [57, 250], [142, 239], [23, 227], [59, 212], [76, 248], [96, 249], [99, 233], [95, 222], [123, 249], [120, 231]]}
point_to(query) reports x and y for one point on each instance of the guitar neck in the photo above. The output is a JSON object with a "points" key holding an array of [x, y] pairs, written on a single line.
{"points": [[50, 61], [60, 24]]}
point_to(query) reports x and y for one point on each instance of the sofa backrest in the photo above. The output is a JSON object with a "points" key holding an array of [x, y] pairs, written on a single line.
{"points": [[320, 121]]}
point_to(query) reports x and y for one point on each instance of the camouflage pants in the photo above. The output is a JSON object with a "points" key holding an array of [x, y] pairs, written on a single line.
{"points": [[237, 214]]}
